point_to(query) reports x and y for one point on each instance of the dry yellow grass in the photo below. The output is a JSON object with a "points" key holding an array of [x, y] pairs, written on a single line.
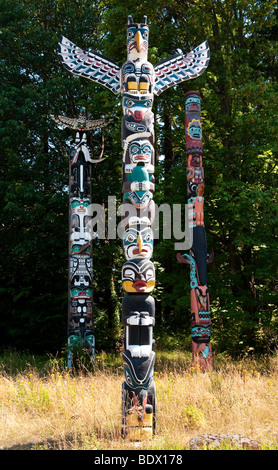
{"points": [[59, 410]]}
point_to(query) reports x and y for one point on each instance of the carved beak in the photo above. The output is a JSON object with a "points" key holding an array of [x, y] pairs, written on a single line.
{"points": [[139, 40], [139, 243]]}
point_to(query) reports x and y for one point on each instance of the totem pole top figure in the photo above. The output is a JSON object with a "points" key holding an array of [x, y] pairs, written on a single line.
{"points": [[137, 39], [165, 74]]}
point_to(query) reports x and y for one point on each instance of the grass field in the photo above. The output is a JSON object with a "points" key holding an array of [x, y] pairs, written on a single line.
{"points": [[43, 406]]}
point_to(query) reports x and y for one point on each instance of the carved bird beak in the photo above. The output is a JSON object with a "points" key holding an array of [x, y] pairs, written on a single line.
{"points": [[139, 243], [139, 40]]}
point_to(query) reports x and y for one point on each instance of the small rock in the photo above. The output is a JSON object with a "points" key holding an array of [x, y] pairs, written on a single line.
{"points": [[212, 441]]}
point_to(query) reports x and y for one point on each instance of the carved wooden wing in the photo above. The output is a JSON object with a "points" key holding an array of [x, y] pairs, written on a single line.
{"points": [[89, 64], [178, 68], [81, 124]]}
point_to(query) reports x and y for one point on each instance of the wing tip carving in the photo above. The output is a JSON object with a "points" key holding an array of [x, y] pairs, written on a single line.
{"points": [[180, 67], [76, 61]]}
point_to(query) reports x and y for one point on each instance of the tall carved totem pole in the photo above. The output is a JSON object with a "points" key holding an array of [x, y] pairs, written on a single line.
{"points": [[198, 257], [80, 291], [138, 81]]}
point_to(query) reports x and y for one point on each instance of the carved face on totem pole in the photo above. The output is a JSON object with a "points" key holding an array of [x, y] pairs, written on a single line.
{"points": [[194, 129], [138, 276], [139, 193], [138, 240], [140, 151], [193, 102], [80, 230], [200, 334], [137, 39], [79, 206], [137, 106], [193, 136]]}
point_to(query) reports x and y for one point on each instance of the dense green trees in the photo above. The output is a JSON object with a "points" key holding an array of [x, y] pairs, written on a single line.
{"points": [[239, 116]]}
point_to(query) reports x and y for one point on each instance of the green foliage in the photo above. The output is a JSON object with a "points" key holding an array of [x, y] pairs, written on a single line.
{"points": [[239, 118]]}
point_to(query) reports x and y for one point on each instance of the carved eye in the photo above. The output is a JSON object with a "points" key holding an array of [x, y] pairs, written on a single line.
{"points": [[135, 198], [129, 103], [129, 273], [134, 149], [145, 35], [130, 34], [148, 103], [147, 149], [130, 238], [148, 238], [128, 379], [149, 274]]}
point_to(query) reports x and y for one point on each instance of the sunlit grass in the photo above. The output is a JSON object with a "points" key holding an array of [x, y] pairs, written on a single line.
{"points": [[48, 407]]}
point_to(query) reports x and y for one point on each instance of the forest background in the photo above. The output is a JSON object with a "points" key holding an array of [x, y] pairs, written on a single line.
{"points": [[239, 119]]}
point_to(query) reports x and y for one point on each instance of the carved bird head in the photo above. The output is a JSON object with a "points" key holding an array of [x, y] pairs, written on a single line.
{"points": [[137, 39]]}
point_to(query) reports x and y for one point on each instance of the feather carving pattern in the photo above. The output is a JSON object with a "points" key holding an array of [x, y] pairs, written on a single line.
{"points": [[178, 68], [91, 65]]}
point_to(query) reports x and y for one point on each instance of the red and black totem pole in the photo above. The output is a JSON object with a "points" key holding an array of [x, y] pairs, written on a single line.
{"points": [[198, 256]]}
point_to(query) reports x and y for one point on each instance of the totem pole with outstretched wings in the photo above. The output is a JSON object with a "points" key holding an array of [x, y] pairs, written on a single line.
{"points": [[137, 81]]}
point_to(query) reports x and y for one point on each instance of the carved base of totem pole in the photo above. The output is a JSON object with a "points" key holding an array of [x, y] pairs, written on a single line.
{"points": [[138, 318], [139, 412]]}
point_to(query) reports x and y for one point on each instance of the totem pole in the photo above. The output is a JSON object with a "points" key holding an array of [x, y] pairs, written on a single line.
{"points": [[80, 291], [138, 81], [198, 257]]}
